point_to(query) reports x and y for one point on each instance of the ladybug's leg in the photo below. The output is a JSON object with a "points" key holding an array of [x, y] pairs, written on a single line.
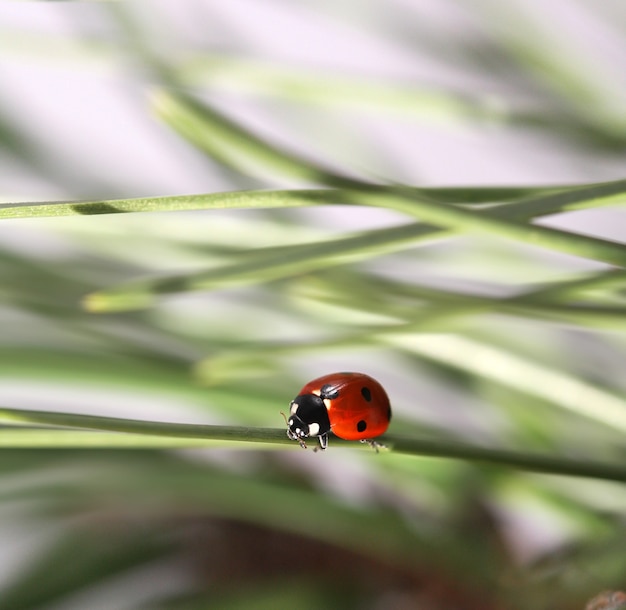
{"points": [[373, 444], [323, 438]]}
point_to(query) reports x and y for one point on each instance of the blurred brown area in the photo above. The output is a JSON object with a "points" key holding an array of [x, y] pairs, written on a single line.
{"points": [[231, 554]]}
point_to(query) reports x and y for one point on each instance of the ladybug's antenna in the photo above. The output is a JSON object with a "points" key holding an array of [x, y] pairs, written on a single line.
{"points": [[285, 418]]}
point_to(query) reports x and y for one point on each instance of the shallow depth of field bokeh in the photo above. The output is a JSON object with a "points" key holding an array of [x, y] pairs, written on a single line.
{"points": [[408, 92]]}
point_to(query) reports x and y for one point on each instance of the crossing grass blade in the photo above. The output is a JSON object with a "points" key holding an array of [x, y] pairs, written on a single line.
{"points": [[430, 309], [274, 263]]}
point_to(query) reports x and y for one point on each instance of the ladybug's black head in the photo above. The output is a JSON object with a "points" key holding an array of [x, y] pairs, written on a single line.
{"points": [[308, 416], [297, 429]]}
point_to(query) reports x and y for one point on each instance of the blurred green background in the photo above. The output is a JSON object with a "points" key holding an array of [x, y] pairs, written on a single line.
{"points": [[478, 337]]}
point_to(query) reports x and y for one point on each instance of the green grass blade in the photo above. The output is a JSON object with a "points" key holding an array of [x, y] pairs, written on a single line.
{"points": [[246, 199], [52, 438], [165, 432], [131, 426], [178, 203]]}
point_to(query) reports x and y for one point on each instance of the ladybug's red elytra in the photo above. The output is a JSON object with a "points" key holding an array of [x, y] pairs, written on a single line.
{"points": [[353, 406]]}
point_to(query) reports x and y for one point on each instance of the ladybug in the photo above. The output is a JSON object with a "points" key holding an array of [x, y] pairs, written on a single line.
{"points": [[353, 406]]}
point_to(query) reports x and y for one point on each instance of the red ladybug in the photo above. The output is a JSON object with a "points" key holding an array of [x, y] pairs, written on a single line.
{"points": [[353, 406]]}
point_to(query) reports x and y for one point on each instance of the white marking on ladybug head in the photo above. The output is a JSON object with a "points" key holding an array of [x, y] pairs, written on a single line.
{"points": [[327, 403], [293, 407]]}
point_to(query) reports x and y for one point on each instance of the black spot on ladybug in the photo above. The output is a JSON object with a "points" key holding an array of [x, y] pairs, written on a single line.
{"points": [[389, 413], [366, 393], [361, 426], [329, 391]]}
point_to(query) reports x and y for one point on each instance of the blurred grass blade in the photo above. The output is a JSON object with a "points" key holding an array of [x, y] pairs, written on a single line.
{"points": [[260, 265], [548, 302], [79, 560], [431, 308], [309, 87], [531, 378], [560, 68], [267, 264], [237, 148], [581, 197], [242, 74], [610, 280]]}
